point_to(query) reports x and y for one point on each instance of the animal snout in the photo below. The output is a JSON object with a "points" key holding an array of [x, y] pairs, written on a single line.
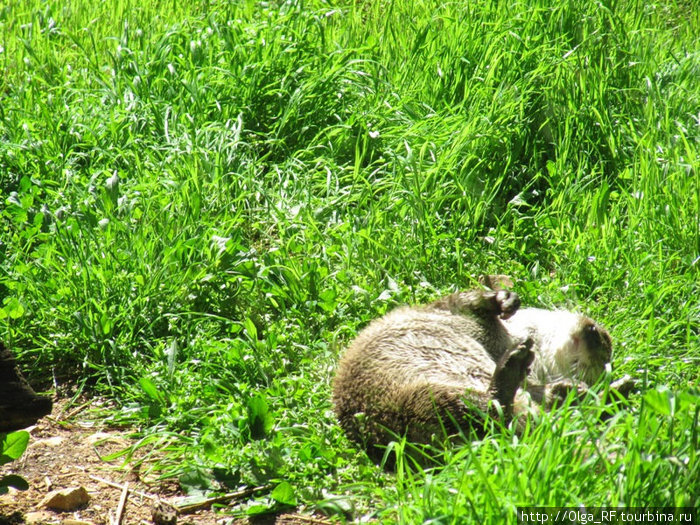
{"points": [[597, 341]]}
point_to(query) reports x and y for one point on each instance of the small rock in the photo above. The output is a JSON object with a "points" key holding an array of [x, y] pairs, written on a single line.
{"points": [[38, 518], [49, 442], [163, 514], [71, 521], [98, 436], [66, 499]]}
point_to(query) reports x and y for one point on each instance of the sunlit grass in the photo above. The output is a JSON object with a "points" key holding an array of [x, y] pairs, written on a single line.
{"points": [[203, 202]]}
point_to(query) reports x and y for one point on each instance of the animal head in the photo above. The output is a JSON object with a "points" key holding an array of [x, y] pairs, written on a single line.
{"points": [[568, 344]]}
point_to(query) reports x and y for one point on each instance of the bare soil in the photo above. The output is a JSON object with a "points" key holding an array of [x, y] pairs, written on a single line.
{"points": [[68, 449]]}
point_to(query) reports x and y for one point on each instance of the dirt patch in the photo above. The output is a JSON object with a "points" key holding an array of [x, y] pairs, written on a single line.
{"points": [[67, 449]]}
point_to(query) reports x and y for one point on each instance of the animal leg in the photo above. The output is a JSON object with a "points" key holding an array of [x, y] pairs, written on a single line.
{"points": [[510, 373], [484, 303]]}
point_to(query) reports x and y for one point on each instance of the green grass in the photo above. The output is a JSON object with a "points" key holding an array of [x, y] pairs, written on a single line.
{"points": [[202, 202]]}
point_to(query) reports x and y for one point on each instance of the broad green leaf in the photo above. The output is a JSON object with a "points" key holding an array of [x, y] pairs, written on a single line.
{"points": [[13, 445], [14, 481], [250, 329], [260, 420], [661, 400], [13, 308], [151, 390], [284, 494]]}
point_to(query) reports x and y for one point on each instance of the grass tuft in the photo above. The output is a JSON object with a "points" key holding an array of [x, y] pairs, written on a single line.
{"points": [[201, 203]]}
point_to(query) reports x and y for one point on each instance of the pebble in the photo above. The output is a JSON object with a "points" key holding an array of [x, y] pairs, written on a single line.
{"points": [[163, 514], [38, 518], [65, 500]]}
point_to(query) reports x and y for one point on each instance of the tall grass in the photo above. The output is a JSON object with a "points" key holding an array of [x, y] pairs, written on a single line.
{"points": [[202, 202]]}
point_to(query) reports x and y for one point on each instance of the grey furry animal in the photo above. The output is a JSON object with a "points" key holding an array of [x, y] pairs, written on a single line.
{"points": [[571, 352], [568, 345], [452, 364], [431, 369]]}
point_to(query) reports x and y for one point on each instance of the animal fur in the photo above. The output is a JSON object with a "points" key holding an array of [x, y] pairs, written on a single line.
{"points": [[450, 365], [432, 369], [571, 352]]}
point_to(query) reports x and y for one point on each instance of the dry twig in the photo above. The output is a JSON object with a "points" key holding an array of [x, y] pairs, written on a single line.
{"points": [[187, 509], [122, 503], [74, 412], [121, 487], [309, 519]]}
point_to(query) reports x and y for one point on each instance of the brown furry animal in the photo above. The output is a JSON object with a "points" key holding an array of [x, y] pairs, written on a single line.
{"points": [[432, 369], [439, 368], [20, 406]]}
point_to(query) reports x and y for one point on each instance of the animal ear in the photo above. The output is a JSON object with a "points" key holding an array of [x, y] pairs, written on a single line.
{"points": [[496, 281]]}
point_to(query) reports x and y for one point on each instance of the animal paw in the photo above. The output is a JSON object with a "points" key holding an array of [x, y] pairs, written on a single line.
{"points": [[499, 303], [510, 372], [624, 386], [507, 303], [559, 391], [520, 358]]}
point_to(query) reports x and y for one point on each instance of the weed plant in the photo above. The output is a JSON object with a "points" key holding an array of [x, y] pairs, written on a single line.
{"points": [[202, 202]]}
